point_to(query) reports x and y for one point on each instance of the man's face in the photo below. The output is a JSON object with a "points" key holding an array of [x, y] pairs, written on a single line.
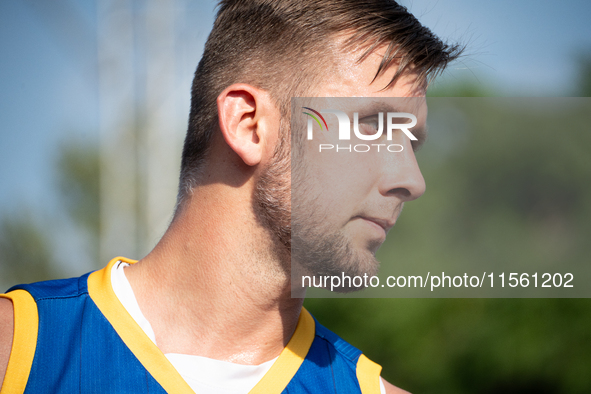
{"points": [[342, 205]]}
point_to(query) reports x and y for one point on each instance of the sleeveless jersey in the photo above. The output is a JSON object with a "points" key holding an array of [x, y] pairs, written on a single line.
{"points": [[74, 336]]}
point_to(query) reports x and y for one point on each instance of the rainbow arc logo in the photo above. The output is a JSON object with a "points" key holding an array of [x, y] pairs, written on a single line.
{"points": [[315, 118]]}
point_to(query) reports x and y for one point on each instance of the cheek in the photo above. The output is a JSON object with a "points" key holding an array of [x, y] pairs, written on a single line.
{"points": [[342, 180]]}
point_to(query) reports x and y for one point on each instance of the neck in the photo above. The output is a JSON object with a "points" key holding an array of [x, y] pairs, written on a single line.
{"points": [[212, 287]]}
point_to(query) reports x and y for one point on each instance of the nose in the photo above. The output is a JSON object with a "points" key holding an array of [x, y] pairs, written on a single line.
{"points": [[401, 176]]}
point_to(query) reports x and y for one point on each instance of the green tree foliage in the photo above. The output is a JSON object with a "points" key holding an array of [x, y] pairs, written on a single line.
{"points": [[25, 250], [460, 88], [78, 183], [583, 88]]}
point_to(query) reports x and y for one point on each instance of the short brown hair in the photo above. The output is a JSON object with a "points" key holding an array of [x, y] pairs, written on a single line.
{"points": [[280, 46]]}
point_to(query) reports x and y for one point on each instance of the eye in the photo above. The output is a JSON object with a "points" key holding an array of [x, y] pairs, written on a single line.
{"points": [[369, 125], [371, 121]]}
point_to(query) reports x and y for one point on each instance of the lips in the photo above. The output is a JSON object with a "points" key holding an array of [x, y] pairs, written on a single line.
{"points": [[386, 224]]}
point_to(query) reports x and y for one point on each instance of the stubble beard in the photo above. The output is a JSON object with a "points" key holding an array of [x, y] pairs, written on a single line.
{"points": [[272, 200], [304, 242], [318, 248]]}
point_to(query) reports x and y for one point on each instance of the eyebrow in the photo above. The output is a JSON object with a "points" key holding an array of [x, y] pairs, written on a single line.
{"points": [[376, 106]]}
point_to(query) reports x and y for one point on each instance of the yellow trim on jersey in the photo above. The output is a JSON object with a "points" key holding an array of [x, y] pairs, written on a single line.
{"points": [[24, 341], [368, 375], [275, 380], [290, 359], [101, 292]]}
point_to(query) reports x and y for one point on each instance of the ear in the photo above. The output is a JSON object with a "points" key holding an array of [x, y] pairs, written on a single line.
{"points": [[247, 121]]}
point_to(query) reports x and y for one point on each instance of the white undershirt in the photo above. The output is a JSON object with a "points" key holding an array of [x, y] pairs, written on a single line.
{"points": [[202, 374]]}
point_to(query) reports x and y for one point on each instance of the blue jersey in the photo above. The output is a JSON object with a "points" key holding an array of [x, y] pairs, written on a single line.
{"points": [[74, 336]]}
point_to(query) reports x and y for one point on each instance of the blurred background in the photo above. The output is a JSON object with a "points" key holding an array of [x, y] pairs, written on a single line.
{"points": [[94, 99]]}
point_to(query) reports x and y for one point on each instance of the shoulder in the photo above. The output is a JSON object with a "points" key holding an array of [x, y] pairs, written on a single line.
{"points": [[341, 346], [6, 332], [391, 389], [20, 309], [367, 371]]}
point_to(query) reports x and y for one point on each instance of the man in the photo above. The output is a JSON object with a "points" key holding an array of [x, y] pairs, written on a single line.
{"points": [[210, 308]]}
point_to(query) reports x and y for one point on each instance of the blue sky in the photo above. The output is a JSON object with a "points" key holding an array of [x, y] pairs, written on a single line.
{"points": [[48, 71]]}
